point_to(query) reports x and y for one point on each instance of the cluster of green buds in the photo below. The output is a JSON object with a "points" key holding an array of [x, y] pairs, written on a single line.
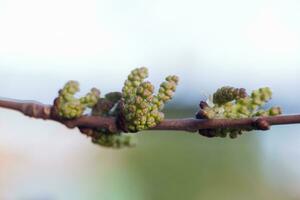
{"points": [[142, 109], [115, 141], [234, 103], [136, 108], [166, 91], [69, 107], [227, 94], [109, 107]]}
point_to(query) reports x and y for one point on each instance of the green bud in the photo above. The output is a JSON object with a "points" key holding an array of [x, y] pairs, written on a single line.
{"points": [[232, 103], [139, 100], [227, 94], [275, 111], [68, 106]]}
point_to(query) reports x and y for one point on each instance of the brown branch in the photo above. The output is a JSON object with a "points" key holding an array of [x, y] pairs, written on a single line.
{"points": [[29, 108], [41, 111]]}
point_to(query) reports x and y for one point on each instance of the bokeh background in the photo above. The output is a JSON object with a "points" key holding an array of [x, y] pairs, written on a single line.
{"points": [[209, 44]]}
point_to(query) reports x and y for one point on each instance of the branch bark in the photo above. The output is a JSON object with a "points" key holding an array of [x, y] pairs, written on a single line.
{"points": [[41, 111]]}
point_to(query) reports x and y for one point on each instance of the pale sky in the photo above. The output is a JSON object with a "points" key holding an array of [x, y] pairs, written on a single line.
{"points": [[207, 43]]}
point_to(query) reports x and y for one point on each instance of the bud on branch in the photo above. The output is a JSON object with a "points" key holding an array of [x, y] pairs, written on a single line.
{"points": [[230, 112]]}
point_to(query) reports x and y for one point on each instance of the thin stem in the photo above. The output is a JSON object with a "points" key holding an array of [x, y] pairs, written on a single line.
{"points": [[38, 110]]}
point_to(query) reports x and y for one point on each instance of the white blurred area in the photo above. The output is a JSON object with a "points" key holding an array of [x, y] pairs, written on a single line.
{"points": [[207, 43]]}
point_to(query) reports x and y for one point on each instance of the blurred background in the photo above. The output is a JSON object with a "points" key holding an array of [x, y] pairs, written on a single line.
{"points": [[208, 44]]}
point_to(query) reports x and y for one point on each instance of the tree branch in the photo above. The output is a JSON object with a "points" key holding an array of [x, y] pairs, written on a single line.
{"points": [[41, 111]]}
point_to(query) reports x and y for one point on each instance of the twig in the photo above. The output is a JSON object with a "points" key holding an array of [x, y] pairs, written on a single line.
{"points": [[41, 111]]}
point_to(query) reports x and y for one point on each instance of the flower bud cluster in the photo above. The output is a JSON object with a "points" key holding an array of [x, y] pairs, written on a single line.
{"points": [[68, 106], [142, 109], [167, 89], [115, 140], [134, 79], [271, 112], [227, 94], [240, 106], [139, 107], [261, 96], [105, 107], [91, 98]]}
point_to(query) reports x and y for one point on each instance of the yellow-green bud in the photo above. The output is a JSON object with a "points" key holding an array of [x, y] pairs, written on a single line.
{"points": [[227, 94], [139, 101], [231, 104]]}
